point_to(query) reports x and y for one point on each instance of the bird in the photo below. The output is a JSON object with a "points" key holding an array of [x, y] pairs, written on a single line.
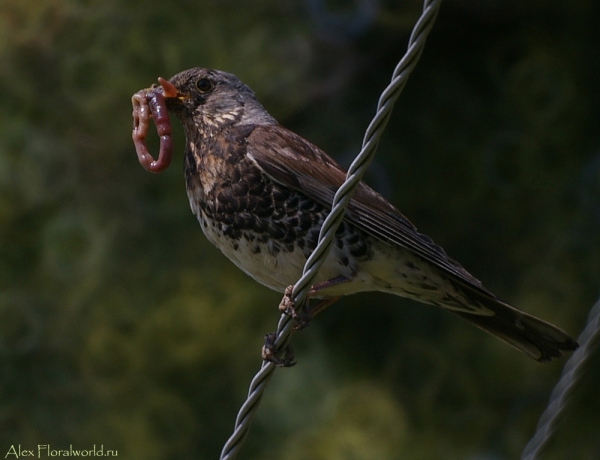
{"points": [[261, 193]]}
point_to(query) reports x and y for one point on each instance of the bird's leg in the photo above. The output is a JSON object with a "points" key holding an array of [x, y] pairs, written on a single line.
{"points": [[303, 319], [308, 313], [322, 305]]}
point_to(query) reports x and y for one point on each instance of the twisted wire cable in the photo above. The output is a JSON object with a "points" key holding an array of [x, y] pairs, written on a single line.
{"points": [[564, 388], [342, 198]]}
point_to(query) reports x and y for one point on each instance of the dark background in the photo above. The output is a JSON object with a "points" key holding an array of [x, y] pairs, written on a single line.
{"points": [[121, 326]]}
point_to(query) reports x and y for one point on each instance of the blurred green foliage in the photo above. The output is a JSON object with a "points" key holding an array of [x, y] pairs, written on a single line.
{"points": [[121, 326]]}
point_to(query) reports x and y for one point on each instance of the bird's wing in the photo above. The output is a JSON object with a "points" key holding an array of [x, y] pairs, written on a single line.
{"points": [[293, 161]]}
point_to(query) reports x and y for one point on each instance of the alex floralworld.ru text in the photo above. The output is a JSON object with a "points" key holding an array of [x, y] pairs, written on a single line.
{"points": [[44, 450]]}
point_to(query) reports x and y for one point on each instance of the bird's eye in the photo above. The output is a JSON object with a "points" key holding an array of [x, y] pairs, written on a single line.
{"points": [[204, 85]]}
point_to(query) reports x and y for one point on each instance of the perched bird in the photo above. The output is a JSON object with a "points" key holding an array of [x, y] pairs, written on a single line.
{"points": [[261, 193]]}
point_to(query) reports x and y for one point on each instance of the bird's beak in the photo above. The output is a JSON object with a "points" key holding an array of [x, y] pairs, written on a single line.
{"points": [[169, 90]]}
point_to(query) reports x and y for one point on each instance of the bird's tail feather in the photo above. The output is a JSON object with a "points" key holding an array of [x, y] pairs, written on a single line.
{"points": [[538, 339]]}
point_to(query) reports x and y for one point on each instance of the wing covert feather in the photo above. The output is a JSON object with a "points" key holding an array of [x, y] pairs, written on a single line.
{"points": [[291, 160]]}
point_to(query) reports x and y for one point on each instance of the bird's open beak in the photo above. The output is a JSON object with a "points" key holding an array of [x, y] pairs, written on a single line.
{"points": [[169, 90]]}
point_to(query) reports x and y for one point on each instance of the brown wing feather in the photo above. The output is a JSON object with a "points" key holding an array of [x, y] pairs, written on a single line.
{"points": [[293, 161]]}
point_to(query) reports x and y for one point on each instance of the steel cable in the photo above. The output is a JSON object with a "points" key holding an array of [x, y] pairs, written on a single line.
{"points": [[342, 198], [565, 386]]}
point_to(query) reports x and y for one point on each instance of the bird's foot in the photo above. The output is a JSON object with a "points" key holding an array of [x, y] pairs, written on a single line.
{"points": [[287, 307], [269, 352]]}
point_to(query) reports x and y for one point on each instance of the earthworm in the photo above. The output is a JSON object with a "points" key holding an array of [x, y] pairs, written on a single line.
{"points": [[150, 103]]}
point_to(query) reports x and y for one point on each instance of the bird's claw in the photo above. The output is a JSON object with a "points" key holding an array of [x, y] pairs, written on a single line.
{"points": [[269, 352], [287, 307]]}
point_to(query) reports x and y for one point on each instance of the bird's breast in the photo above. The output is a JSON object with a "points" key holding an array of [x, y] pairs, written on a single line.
{"points": [[266, 228]]}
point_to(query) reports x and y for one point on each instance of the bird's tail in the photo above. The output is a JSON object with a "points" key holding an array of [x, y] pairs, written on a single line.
{"points": [[538, 339]]}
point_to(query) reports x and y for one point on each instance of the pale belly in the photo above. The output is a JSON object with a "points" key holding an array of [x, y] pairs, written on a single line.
{"points": [[385, 268], [274, 266]]}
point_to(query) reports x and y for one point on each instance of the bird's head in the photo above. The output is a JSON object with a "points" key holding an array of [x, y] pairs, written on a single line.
{"points": [[209, 100]]}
